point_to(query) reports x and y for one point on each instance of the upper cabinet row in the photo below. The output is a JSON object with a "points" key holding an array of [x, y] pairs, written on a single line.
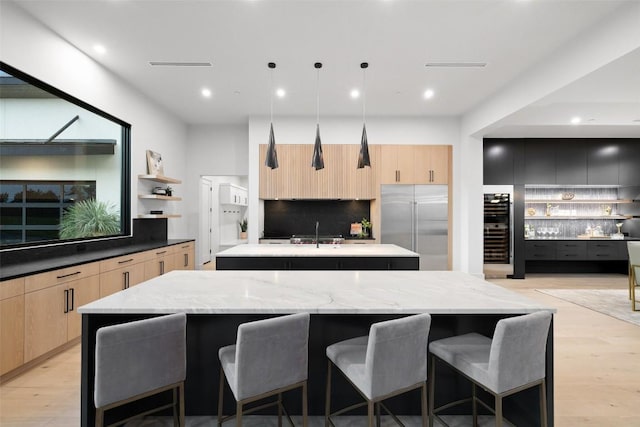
{"points": [[295, 178], [562, 161]]}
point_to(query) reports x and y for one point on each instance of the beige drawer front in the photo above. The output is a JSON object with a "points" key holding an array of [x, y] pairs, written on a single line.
{"points": [[159, 253], [183, 247], [122, 261], [63, 275], [11, 288]]}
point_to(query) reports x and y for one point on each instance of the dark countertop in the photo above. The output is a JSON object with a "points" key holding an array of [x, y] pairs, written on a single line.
{"points": [[44, 265]]}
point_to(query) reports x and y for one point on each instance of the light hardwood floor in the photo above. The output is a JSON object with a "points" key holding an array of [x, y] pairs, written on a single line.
{"points": [[597, 366]]}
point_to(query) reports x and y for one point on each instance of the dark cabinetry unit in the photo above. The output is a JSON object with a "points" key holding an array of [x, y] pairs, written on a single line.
{"points": [[576, 250], [629, 163], [602, 163], [571, 250], [562, 161], [571, 163], [539, 162], [498, 158]]}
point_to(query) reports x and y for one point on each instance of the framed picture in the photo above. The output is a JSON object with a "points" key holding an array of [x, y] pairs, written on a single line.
{"points": [[154, 163]]}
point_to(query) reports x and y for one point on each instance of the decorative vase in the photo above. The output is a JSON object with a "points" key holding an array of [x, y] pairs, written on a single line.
{"points": [[243, 235]]}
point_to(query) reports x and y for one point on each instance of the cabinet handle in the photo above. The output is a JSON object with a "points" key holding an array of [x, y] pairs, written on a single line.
{"points": [[66, 301], [125, 280], [397, 175], [160, 253], [125, 261], [73, 299], [68, 275], [161, 267], [185, 246], [186, 260]]}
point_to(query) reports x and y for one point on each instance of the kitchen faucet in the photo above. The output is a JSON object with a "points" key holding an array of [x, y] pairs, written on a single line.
{"points": [[317, 237]]}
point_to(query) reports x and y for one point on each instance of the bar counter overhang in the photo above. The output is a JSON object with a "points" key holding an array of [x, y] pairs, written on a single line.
{"points": [[342, 305]]}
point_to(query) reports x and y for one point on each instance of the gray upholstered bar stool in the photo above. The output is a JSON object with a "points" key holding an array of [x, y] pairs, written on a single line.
{"points": [[514, 360], [634, 271], [270, 357], [392, 360], [139, 359]]}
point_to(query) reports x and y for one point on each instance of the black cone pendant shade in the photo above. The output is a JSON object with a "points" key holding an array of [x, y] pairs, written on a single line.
{"points": [[363, 157], [271, 160], [318, 160], [272, 157]]}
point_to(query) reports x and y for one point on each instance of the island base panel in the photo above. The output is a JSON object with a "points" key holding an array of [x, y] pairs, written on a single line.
{"points": [[317, 263]]}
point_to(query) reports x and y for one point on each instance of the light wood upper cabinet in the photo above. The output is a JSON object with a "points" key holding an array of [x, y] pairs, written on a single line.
{"points": [[432, 164], [295, 178], [11, 324], [397, 164], [415, 164]]}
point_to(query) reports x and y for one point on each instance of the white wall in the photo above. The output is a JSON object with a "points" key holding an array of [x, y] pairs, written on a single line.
{"points": [[29, 46]]}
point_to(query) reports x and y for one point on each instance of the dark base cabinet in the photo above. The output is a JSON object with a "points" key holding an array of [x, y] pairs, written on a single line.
{"points": [[576, 256], [317, 263]]}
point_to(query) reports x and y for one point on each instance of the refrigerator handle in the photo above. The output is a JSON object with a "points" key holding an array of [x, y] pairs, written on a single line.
{"points": [[414, 225]]}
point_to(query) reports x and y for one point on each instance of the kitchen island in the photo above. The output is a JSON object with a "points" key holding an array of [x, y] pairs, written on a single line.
{"points": [[323, 257], [342, 304]]}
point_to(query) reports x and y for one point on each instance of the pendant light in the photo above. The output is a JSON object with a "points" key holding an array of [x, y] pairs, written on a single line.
{"points": [[318, 160], [272, 156], [363, 157]]}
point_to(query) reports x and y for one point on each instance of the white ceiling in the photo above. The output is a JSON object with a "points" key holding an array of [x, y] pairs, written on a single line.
{"points": [[396, 37]]}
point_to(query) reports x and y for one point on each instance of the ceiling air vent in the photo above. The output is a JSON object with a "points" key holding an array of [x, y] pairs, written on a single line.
{"points": [[455, 64], [179, 64]]}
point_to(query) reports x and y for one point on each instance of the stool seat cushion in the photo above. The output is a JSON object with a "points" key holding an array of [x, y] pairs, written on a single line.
{"points": [[468, 353], [350, 356], [227, 356]]}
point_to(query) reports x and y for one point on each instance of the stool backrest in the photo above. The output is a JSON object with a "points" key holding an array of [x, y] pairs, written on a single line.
{"points": [[397, 353], [518, 351], [137, 357], [634, 258], [272, 353]]}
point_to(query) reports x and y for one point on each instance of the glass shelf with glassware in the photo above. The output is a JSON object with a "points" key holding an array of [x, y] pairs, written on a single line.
{"points": [[555, 212]]}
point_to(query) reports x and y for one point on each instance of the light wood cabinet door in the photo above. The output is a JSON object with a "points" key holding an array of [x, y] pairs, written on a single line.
{"points": [[81, 292], [45, 320], [116, 280], [431, 164], [183, 257], [11, 325], [162, 263], [397, 163]]}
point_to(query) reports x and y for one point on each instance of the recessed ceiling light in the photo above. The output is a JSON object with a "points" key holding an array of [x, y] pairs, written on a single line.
{"points": [[206, 92], [576, 120], [428, 94], [355, 93], [100, 49], [281, 93]]}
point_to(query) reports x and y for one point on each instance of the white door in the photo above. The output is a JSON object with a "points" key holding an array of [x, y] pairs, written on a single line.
{"points": [[205, 230]]}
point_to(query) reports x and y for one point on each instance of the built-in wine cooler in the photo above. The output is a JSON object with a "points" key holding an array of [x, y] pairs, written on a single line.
{"points": [[496, 228]]}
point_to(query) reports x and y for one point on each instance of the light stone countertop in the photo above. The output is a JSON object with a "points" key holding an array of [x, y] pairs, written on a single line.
{"points": [[342, 250], [315, 292]]}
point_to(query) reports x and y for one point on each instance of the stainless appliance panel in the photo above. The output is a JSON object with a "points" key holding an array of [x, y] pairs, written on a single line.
{"points": [[397, 213], [416, 218]]}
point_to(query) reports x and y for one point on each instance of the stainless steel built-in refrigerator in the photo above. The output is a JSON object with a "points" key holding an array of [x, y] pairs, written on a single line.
{"points": [[416, 217]]}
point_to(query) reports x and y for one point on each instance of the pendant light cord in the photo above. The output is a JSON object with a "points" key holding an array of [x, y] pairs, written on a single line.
{"points": [[271, 106], [317, 95], [364, 94]]}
